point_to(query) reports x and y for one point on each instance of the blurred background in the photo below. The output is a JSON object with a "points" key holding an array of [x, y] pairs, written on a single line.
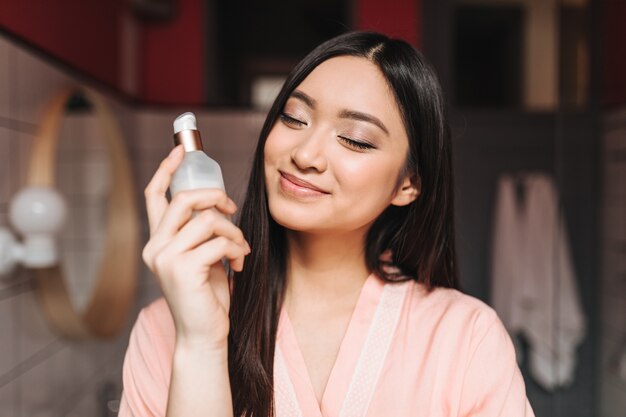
{"points": [[536, 88]]}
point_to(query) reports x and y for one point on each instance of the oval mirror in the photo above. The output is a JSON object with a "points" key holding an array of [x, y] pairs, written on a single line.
{"points": [[79, 149]]}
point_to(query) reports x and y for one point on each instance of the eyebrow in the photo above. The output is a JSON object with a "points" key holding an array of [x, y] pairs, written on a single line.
{"points": [[364, 117], [308, 100], [344, 114]]}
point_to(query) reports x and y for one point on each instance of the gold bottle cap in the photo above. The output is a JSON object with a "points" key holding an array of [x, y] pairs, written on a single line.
{"points": [[190, 138]]}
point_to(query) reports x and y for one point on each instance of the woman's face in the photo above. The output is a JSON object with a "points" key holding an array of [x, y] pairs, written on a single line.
{"points": [[335, 155]]}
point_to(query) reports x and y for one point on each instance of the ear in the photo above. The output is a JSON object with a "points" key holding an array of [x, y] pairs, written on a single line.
{"points": [[408, 192]]}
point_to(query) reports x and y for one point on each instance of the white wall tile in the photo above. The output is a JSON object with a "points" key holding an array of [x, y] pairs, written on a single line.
{"points": [[6, 164], [8, 395], [125, 117], [7, 54], [37, 83], [230, 131], [236, 172], [8, 347], [87, 406], [82, 399], [145, 169], [81, 131], [35, 332], [37, 392], [60, 364], [154, 132]]}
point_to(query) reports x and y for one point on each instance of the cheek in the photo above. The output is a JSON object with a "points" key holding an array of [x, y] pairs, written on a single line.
{"points": [[268, 148], [373, 176], [275, 147]]}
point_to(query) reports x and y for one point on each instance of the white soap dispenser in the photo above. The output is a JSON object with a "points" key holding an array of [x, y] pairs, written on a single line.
{"points": [[196, 170]]}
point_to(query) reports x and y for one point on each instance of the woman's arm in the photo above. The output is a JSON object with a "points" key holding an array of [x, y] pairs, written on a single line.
{"points": [[159, 365], [200, 384], [185, 253]]}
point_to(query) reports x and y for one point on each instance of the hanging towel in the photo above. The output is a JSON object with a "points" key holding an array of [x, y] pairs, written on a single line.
{"points": [[533, 282]]}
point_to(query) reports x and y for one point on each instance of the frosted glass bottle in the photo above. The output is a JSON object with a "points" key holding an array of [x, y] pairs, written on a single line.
{"points": [[196, 170]]}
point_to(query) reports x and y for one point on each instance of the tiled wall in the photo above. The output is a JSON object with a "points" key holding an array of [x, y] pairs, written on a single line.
{"points": [[41, 374], [613, 285]]}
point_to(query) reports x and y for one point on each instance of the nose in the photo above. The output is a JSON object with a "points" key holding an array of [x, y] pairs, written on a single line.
{"points": [[310, 153]]}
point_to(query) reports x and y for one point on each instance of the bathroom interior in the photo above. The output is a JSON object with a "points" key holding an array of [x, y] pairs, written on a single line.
{"points": [[88, 93]]}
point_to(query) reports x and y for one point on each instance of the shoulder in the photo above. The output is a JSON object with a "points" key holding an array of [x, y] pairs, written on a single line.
{"points": [[463, 333], [481, 352], [451, 303], [451, 314]]}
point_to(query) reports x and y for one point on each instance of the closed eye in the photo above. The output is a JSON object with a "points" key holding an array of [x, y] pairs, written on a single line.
{"points": [[356, 144], [290, 121]]}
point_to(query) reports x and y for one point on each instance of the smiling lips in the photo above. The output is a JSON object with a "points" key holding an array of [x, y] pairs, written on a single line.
{"points": [[298, 186]]}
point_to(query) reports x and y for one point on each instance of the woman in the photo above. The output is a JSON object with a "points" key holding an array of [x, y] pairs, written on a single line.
{"points": [[347, 302]]}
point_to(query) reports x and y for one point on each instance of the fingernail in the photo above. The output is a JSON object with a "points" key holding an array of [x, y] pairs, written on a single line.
{"points": [[175, 152]]}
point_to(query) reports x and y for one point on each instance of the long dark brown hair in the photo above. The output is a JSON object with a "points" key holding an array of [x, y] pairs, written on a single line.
{"points": [[419, 235]]}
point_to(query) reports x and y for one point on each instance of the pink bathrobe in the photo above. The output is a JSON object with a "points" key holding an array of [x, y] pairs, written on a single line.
{"points": [[406, 352]]}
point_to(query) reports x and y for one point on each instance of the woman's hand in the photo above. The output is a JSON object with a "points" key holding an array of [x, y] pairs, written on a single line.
{"points": [[185, 253]]}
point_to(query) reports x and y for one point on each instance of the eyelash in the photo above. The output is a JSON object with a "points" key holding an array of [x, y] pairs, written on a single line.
{"points": [[288, 120], [359, 145], [291, 121]]}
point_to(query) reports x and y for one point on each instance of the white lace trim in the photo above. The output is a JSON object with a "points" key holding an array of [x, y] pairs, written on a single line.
{"points": [[285, 399], [370, 363]]}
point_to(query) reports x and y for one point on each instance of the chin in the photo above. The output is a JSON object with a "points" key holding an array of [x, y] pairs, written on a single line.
{"points": [[300, 219], [312, 221]]}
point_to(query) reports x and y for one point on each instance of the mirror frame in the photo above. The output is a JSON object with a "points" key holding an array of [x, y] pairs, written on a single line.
{"points": [[112, 298]]}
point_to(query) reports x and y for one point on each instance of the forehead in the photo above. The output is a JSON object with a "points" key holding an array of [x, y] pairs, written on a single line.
{"points": [[353, 83]]}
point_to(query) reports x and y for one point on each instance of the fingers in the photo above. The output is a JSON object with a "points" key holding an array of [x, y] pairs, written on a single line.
{"points": [[185, 203], [156, 202], [207, 225], [214, 250], [167, 219], [202, 228]]}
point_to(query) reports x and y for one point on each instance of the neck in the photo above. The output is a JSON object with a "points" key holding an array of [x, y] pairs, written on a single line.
{"points": [[325, 267]]}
